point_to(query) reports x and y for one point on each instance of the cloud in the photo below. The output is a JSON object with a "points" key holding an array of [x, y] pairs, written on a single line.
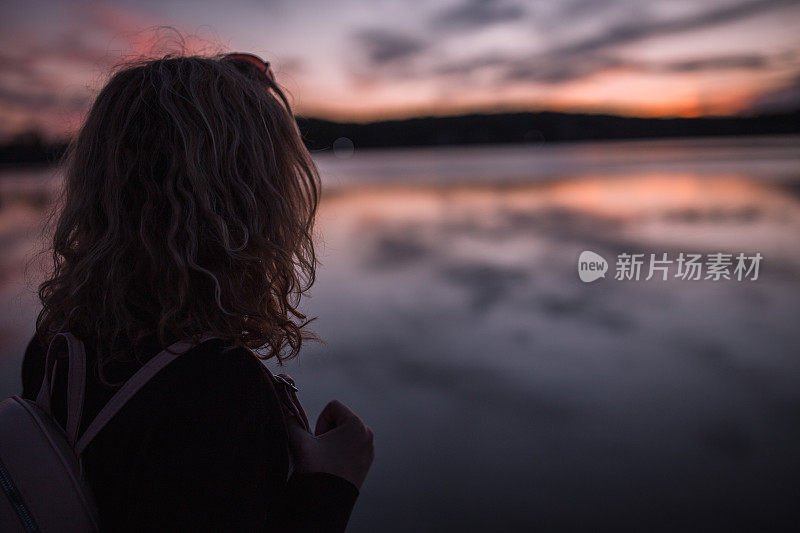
{"points": [[551, 70], [41, 101], [539, 68], [560, 64], [58, 64], [569, 62], [474, 14], [572, 9], [588, 56], [784, 98], [385, 46], [735, 62], [636, 29]]}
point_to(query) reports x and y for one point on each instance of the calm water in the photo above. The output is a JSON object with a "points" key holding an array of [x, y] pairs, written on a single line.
{"points": [[505, 394]]}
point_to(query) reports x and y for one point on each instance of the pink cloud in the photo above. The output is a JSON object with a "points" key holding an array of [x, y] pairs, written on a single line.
{"points": [[48, 84]]}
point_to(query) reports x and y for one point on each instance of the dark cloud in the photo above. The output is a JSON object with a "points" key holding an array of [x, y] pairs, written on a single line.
{"points": [[571, 9], [461, 68], [747, 62], [553, 69], [784, 98], [549, 69], [568, 62], [540, 68], [474, 14], [385, 46], [636, 29]]}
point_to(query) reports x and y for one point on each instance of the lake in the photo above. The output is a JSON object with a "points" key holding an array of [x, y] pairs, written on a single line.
{"points": [[504, 392]]}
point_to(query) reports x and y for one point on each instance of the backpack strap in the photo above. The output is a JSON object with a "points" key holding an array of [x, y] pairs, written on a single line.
{"points": [[76, 382], [132, 386]]}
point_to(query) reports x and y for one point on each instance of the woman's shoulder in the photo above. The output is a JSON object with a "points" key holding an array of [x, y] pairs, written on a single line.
{"points": [[216, 370], [221, 358], [201, 442], [212, 376], [211, 396]]}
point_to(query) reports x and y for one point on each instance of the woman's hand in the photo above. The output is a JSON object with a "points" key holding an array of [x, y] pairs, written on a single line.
{"points": [[341, 444]]}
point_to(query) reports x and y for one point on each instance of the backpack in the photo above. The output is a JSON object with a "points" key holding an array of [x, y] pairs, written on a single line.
{"points": [[44, 486]]}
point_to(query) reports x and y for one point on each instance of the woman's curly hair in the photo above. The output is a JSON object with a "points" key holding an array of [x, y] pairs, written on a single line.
{"points": [[188, 206]]}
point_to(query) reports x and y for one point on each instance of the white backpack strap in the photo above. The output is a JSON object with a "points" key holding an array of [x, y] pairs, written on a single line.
{"points": [[76, 382], [132, 386]]}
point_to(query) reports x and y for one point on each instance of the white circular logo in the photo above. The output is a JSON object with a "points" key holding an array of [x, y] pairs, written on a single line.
{"points": [[591, 266]]}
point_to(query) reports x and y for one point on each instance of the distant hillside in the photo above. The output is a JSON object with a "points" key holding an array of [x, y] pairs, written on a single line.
{"points": [[28, 148], [535, 127]]}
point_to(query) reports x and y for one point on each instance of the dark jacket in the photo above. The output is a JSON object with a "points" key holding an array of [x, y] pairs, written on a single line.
{"points": [[203, 446]]}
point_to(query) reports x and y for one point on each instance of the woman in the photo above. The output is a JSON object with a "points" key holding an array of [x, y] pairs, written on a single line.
{"points": [[188, 207]]}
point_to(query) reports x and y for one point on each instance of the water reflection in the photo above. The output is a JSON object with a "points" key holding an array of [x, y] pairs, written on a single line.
{"points": [[509, 394], [505, 393]]}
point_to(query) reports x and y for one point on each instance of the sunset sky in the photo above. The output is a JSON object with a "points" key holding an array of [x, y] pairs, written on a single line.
{"points": [[369, 59]]}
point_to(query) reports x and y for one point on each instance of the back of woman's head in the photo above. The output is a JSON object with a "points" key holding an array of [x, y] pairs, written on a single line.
{"points": [[188, 206]]}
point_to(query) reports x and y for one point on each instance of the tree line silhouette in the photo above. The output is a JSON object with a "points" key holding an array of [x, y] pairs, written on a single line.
{"points": [[29, 148]]}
